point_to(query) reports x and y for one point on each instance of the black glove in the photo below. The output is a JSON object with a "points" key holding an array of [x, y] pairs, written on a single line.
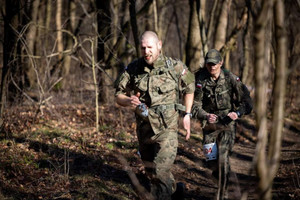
{"points": [[225, 120]]}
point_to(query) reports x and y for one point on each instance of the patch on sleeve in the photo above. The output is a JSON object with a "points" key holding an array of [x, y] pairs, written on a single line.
{"points": [[199, 85], [188, 78], [238, 79], [183, 72]]}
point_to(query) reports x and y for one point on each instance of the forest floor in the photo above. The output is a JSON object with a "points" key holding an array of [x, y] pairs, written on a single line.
{"points": [[55, 152]]}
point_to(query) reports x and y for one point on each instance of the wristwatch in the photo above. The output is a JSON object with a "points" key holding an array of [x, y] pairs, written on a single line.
{"points": [[190, 114], [238, 113]]}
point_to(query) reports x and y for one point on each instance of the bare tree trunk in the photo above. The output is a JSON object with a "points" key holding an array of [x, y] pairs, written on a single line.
{"points": [[247, 43], [115, 21], [103, 17], [279, 89], [125, 28], [67, 58], [149, 19], [59, 36], [220, 36], [96, 84], [203, 34], [193, 45], [161, 19], [40, 42], [261, 75], [155, 17], [48, 19], [11, 22], [231, 43], [114, 29], [211, 24], [178, 33], [134, 27], [227, 60], [31, 41]]}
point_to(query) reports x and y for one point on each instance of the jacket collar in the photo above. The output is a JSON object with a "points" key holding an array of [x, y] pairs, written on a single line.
{"points": [[221, 80], [160, 62]]}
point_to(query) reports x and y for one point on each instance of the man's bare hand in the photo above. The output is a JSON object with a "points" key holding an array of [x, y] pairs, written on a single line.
{"points": [[233, 115], [212, 118], [187, 126], [134, 100]]}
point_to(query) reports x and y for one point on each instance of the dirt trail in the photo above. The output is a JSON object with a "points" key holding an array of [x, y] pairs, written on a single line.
{"points": [[190, 169], [36, 155]]}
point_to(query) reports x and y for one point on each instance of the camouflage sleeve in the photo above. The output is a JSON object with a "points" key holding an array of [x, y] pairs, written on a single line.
{"points": [[243, 104], [197, 110], [188, 81], [121, 83], [187, 78]]}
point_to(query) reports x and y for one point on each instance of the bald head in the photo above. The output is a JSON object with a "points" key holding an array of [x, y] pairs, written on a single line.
{"points": [[149, 35], [150, 47]]}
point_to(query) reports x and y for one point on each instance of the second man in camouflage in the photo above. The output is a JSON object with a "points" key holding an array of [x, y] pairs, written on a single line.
{"points": [[220, 99]]}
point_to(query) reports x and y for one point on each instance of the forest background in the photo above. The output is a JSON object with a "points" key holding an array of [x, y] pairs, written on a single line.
{"points": [[62, 135]]}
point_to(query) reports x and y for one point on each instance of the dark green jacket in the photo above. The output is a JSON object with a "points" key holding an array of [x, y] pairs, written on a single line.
{"points": [[220, 97]]}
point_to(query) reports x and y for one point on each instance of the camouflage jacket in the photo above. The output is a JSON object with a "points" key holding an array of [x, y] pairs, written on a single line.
{"points": [[159, 86], [220, 97]]}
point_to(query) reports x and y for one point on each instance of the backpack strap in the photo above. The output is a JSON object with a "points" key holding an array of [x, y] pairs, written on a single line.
{"points": [[228, 77], [171, 70], [177, 78]]}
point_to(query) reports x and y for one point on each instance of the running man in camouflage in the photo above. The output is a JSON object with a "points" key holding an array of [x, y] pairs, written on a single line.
{"points": [[155, 83], [220, 99]]}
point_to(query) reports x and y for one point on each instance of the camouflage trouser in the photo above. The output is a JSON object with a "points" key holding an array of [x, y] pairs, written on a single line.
{"points": [[224, 136], [158, 153]]}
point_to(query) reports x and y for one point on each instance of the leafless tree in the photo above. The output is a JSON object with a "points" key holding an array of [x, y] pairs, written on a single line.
{"points": [[31, 41], [194, 43], [9, 48], [267, 161], [221, 30], [134, 26]]}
